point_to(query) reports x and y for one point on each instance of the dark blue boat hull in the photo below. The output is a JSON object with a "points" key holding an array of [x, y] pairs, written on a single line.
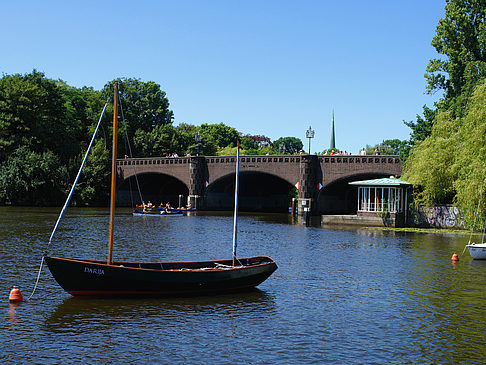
{"points": [[96, 278]]}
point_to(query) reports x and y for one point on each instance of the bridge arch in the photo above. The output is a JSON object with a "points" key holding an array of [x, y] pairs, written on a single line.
{"points": [[258, 191], [154, 186], [338, 197]]}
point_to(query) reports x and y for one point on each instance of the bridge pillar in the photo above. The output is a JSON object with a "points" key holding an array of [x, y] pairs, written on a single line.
{"points": [[309, 172], [197, 181]]}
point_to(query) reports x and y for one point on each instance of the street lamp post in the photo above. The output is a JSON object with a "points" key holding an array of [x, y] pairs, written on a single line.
{"points": [[309, 134], [197, 137]]}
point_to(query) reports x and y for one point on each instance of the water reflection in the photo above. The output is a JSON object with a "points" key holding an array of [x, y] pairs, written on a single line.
{"points": [[90, 310], [13, 308]]}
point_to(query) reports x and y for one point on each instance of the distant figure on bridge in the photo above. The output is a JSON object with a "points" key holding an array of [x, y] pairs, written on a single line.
{"points": [[362, 152], [377, 151]]}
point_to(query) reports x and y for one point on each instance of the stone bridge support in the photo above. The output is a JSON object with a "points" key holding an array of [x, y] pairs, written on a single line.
{"points": [[308, 180], [198, 177]]}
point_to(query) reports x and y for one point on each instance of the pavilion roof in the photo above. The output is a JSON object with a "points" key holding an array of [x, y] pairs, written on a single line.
{"points": [[387, 181]]}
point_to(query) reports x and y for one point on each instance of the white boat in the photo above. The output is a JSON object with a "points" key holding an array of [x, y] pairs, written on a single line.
{"points": [[477, 250]]}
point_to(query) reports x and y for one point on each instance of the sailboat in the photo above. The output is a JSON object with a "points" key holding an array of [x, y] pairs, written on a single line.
{"points": [[86, 277], [478, 250]]}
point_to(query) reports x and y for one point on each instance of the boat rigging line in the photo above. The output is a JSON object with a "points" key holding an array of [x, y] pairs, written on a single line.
{"points": [[130, 154], [63, 210], [474, 223]]}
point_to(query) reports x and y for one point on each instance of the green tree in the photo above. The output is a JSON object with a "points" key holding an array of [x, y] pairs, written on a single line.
{"points": [[160, 141], [461, 38], [32, 114], [422, 127], [222, 134], [429, 166], [33, 178], [290, 145], [196, 140], [144, 105], [390, 147], [449, 165], [83, 107], [397, 147], [248, 145], [228, 151], [93, 186], [469, 153]]}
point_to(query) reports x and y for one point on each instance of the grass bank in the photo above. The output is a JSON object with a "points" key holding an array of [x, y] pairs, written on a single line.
{"points": [[427, 230]]}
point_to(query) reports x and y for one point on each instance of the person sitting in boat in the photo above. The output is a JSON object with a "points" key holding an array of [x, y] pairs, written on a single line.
{"points": [[167, 207], [147, 207]]}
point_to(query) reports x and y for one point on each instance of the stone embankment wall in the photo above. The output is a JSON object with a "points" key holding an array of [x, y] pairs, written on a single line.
{"points": [[441, 216]]}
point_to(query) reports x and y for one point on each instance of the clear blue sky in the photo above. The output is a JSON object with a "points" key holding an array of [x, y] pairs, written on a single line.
{"points": [[263, 67]]}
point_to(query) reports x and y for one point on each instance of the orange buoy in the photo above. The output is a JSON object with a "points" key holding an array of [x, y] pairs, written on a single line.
{"points": [[455, 257], [15, 295]]}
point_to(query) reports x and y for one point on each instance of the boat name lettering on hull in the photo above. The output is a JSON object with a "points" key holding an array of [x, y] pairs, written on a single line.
{"points": [[94, 271]]}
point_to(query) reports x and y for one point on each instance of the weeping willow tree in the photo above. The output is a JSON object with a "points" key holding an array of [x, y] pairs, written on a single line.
{"points": [[470, 165], [449, 166]]}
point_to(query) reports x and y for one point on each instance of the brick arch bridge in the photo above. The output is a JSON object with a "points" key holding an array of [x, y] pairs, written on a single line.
{"points": [[314, 175]]}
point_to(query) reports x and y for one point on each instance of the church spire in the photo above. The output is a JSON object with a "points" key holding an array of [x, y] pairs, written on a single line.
{"points": [[333, 137]]}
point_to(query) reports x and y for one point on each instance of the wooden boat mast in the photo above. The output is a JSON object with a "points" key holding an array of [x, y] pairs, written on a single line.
{"points": [[235, 216], [113, 175]]}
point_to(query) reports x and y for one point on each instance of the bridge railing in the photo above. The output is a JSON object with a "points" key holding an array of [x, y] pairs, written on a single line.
{"points": [[349, 159], [254, 159], [360, 159], [152, 161], [209, 159]]}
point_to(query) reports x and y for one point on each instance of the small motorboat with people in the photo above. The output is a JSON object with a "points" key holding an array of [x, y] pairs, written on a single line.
{"points": [[87, 277], [148, 209], [169, 209], [157, 213]]}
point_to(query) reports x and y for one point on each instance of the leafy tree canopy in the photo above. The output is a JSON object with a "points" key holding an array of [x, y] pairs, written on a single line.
{"points": [[145, 105], [222, 134], [461, 39], [33, 178], [422, 127], [32, 114], [290, 145]]}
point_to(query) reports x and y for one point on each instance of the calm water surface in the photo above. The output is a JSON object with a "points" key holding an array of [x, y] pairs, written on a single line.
{"points": [[339, 295]]}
